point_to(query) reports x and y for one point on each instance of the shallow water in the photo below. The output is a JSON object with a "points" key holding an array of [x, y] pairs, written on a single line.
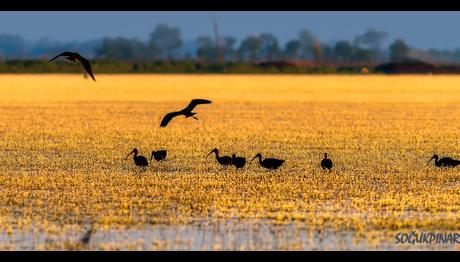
{"points": [[218, 235]]}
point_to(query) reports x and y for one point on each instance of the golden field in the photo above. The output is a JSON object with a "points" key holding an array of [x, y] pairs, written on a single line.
{"points": [[64, 139]]}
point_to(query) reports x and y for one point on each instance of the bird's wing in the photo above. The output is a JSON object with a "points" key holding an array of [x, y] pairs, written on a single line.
{"points": [[61, 54], [196, 102], [167, 118], [86, 65]]}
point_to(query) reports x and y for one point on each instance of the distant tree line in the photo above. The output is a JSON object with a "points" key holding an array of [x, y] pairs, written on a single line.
{"points": [[165, 43]]}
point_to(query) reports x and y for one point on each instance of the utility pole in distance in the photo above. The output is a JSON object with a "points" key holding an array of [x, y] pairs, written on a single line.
{"points": [[219, 58], [318, 51]]}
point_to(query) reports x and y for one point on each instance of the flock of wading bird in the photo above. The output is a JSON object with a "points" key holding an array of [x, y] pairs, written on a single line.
{"points": [[225, 161], [237, 161]]}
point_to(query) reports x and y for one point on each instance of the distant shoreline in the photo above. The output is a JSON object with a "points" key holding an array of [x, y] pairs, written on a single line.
{"points": [[190, 67]]}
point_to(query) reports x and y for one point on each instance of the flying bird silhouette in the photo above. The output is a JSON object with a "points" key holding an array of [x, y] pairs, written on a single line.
{"points": [[187, 112], [444, 162], [72, 56]]}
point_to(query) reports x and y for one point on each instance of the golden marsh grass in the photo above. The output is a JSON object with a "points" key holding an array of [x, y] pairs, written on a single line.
{"points": [[63, 140]]}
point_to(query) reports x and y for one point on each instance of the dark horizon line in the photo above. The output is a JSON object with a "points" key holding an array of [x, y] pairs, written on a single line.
{"points": [[190, 40]]}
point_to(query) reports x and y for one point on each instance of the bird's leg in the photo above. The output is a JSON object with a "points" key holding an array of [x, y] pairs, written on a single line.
{"points": [[195, 117]]}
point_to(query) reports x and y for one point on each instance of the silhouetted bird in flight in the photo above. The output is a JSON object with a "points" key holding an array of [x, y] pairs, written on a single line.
{"points": [[138, 160], [444, 162], [187, 112], [222, 160], [158, 155], [71, 56], [269, 163], [239, 162], [87, 236], [326, 163]]}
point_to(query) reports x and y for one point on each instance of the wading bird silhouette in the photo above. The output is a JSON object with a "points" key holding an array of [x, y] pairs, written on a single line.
{"points": [[72, 56], [269, 163], [222, 160], [239, 162], [140, 161], [187, 112], [87, 236], [326, 163], [444, 162], [158, 155]]}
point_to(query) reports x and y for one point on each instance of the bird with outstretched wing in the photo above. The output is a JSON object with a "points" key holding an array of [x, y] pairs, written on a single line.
{"points": [[72, 56], [187, 111]]}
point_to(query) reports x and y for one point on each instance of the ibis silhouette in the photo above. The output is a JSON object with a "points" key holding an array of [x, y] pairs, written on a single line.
{"points": [[72, 56], [222, 160], [158, 155], [140, 161], [444, 162], [87, 236], [187, 112], [238, 162], [269, 163], [326, 163]]}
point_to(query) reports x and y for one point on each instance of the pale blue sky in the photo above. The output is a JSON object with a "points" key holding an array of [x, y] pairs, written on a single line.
{"points": [[419, 29]]}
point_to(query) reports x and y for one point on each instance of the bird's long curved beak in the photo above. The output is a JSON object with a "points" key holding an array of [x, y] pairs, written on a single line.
{"points": [[429, 160], [253, 159], [209, 154], [129, 154], [195, 117]]}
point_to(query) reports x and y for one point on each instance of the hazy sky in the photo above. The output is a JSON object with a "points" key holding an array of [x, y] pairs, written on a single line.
{"points": [[419, 29]]}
